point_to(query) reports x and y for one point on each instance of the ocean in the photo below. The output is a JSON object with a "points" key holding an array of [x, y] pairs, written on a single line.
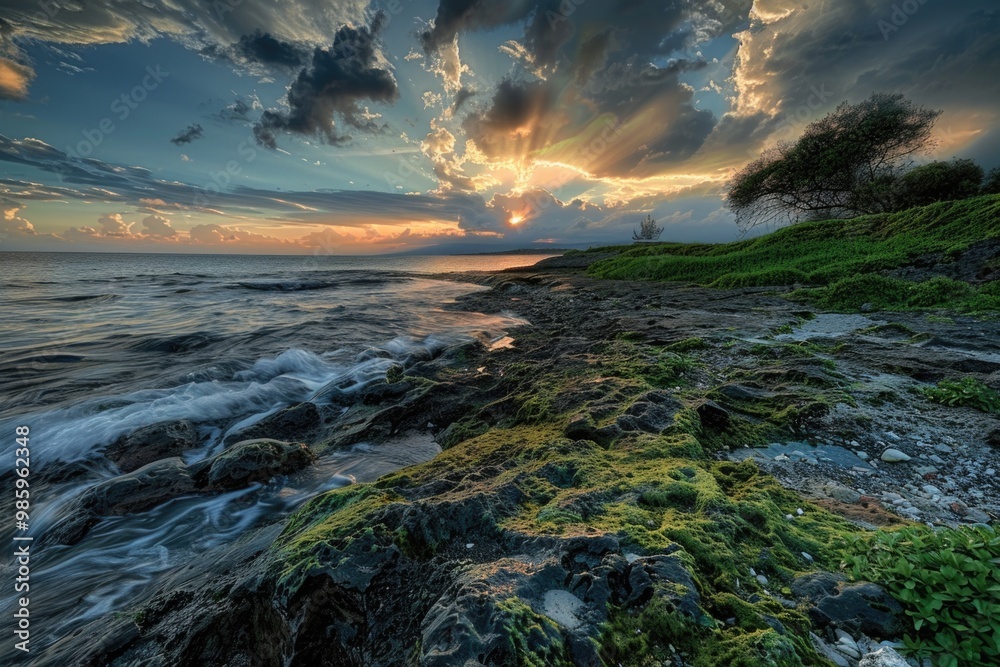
{"points": [[95, 346]]}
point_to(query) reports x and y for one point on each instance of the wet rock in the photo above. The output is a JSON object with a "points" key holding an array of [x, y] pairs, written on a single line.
{"points": [[255, 461], [137, 491], [892, 455], [884, 657], [296, 422], [152, 443], [382, 392]]}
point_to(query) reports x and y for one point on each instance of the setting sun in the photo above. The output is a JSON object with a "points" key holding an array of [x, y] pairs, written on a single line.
{"points": [[516, 219]]}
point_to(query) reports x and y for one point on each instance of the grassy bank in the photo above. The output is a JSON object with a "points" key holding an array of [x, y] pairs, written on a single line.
{"points": [[840, 264]]}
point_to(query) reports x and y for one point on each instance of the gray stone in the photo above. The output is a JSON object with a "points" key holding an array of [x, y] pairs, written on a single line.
{"points": [[884, 657], [892, 455]]}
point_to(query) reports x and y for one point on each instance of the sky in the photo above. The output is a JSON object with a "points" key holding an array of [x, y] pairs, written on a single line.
{"points": [[437, 126]]}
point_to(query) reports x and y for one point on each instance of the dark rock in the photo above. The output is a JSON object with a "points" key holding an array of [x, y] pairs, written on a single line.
{"points": [[160, 481], [993, 439], [739, 392], [381, 392], [296, 422], [654, 413], [713, 415], [255, 461], [139, 490], [816, 585], [582, 427], [863, 608], [152, 443]]}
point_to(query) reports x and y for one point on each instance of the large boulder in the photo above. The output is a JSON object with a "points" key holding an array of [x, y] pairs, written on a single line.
{"points": [[858, 608], [137, 491], [152, 443]]}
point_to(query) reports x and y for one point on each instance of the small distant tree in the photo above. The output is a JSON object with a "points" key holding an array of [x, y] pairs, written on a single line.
{"points": [[992, 184], [648, 230], [939, 181], [843, 165]]}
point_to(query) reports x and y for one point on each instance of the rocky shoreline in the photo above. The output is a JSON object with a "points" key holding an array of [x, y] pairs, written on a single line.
{"points": [[645, 474]]}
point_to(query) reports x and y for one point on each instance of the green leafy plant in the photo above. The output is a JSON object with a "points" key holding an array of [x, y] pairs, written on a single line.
{"points": [[968, 392], [948, 581]]}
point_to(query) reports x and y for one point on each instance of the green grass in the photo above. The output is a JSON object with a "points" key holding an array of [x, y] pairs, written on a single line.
{"points": [[840, 259]]}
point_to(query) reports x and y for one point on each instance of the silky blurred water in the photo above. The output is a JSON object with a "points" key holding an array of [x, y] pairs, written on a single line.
{"points": [[97, 345]]}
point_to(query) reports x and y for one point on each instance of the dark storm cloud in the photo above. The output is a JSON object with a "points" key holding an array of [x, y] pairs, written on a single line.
{"points": [[264, 48], [261, 49], [455, 16], [803, 63], [514, 105], [239, 111], [461, 97], [190, 133], [337, 80]]}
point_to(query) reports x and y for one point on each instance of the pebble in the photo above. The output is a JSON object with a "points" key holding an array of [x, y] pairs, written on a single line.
{"points": [[762, 580], [990, 472], [799, 511], [931, 490], [936, 458], [894, 456], [808, 557], [944, 449], [849, 651], [862, 455]]}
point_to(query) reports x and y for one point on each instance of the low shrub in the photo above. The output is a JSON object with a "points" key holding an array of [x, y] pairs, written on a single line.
{"points": [[968, 392], [949, 584]]}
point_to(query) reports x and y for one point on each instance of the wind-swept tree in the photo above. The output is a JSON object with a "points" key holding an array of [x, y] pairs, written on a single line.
{"points": [[844, 165], [648, 230]]}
